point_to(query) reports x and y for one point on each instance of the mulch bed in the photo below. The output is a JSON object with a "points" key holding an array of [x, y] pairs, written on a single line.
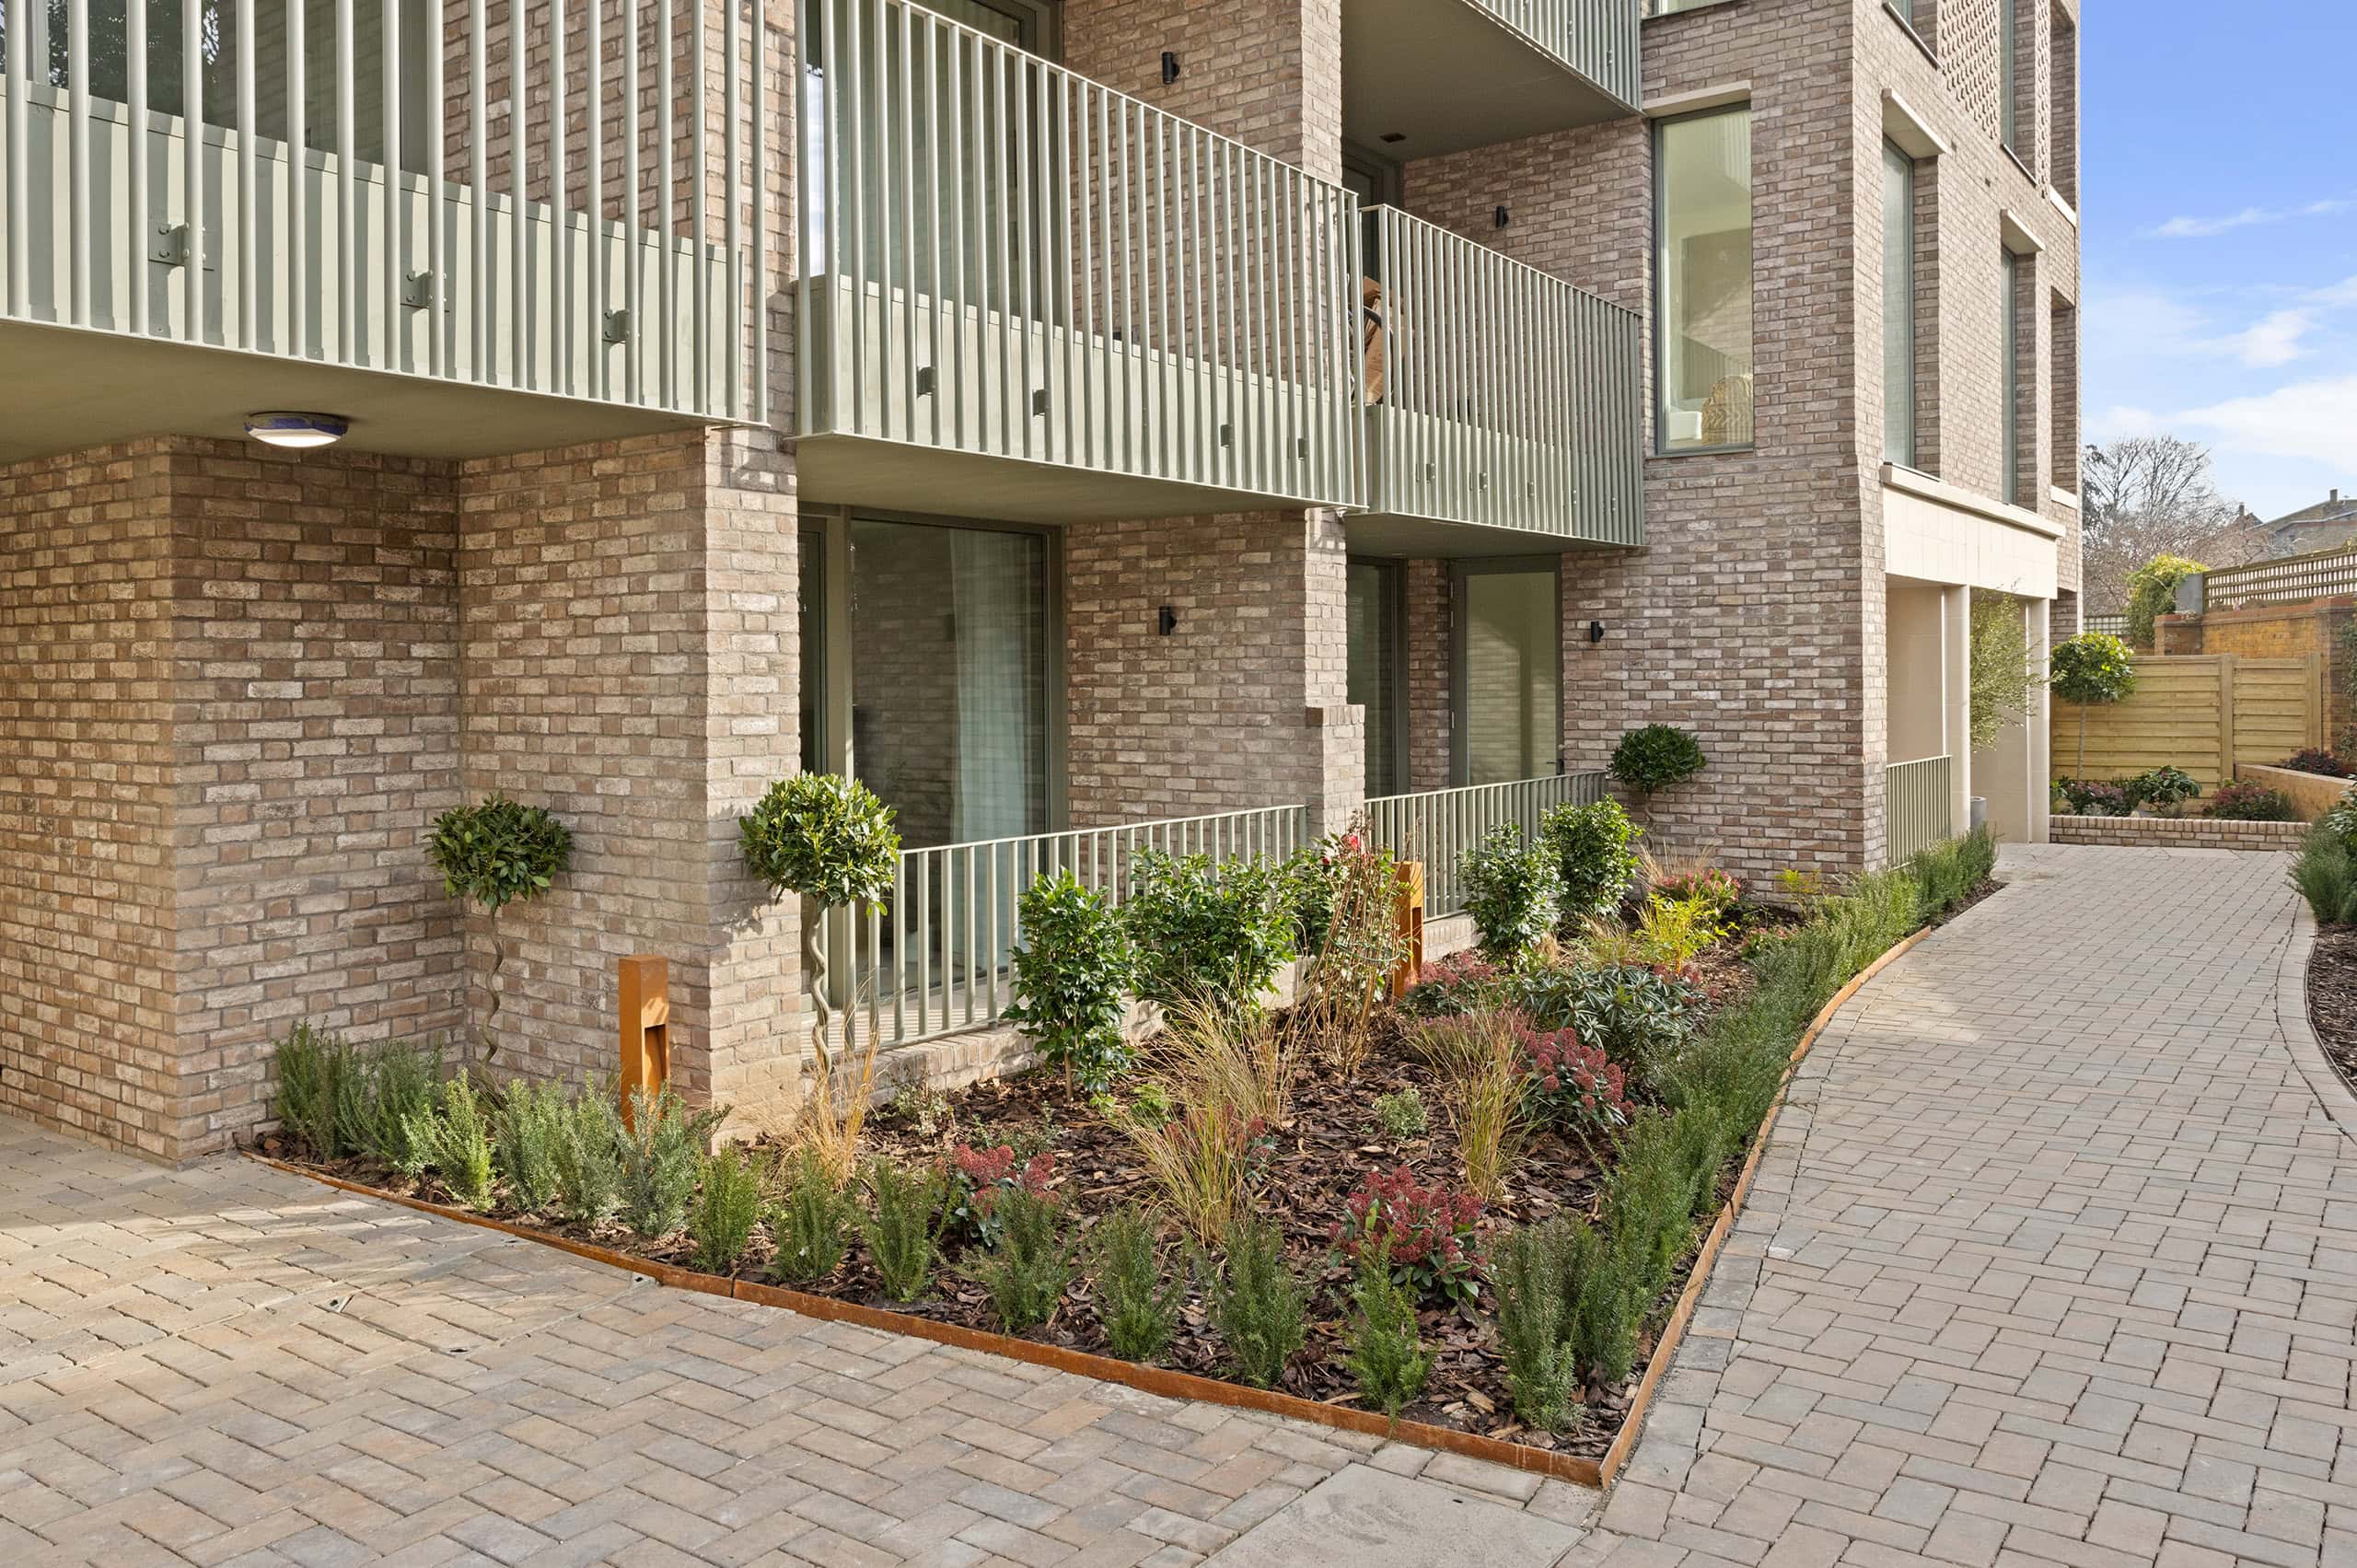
{"points": [[1331, 1144], [2332, 998]]}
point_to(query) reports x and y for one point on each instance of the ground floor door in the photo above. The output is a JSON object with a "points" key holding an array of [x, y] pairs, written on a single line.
{"points": [[1508, 663], [1378, 670]]}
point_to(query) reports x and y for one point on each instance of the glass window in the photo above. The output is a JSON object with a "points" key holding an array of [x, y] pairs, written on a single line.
{"points": [[2011, 294], [948, 648], [1898, 307], [810, 597], [1375, 676], [1510, 661], [1703, 222]]}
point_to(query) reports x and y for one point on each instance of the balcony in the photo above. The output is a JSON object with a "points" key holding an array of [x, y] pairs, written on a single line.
{"points": [[1029, 297], [1423, 77], [1505, 405], [403, 225]]}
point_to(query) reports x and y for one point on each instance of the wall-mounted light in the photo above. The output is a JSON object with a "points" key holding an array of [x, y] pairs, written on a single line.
{"points": [[1504, 217], [284, 427], [1595, 631], [1170, 66], [1395, 137], [1165, 620]]}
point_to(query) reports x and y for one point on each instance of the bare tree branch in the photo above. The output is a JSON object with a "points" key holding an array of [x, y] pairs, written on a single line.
{"points": [[2147, 496]]}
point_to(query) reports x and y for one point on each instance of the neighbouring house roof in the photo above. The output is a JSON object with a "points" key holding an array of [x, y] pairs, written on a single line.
{"points": [[2334, 509]]}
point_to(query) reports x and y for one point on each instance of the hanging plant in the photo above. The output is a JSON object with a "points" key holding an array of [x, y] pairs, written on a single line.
{"points": [[494, 854]]}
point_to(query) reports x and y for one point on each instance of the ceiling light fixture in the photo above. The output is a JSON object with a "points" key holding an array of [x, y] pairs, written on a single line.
{"points": [[284, 427]]}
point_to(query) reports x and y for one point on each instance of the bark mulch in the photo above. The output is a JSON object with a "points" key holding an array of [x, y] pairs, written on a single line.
{"points": [[2332, 998]]}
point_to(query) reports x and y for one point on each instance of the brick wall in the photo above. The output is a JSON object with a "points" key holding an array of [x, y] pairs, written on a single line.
{"points": [[86, 911], [1245, 704], [2319, 627], [630, 625]]}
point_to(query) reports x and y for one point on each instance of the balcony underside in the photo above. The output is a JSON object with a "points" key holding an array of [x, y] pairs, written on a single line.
{"points": [[1443, 75], [1414, 538], [62, 388]]}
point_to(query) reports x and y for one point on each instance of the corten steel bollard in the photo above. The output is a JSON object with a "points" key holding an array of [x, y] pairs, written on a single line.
{"points": [[646, 1026], [1409, 917]]}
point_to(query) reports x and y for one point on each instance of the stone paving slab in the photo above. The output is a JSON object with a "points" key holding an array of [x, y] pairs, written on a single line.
{"points": [[228, 1365], [2051, 1260]]}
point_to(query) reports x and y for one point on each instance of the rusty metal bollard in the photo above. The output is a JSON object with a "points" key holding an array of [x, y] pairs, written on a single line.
{"points": [[646, 986], [1408, 918]]}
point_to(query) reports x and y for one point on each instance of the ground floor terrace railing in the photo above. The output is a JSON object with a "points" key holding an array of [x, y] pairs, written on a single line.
{"points": [[1918, 809], [1004, 259], [1438, 826], [575, 199], [932, 959], [1499, 395]]}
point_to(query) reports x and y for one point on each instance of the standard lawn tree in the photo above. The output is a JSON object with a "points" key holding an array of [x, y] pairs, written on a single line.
{"points": [[2092, 669], [828, 840], [494, 854]]}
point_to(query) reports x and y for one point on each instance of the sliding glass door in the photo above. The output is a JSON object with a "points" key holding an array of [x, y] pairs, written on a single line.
{"points": [[1509, 667], [1377, 676]]}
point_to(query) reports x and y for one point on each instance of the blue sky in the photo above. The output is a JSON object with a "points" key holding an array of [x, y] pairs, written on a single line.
{"points": [[2220, 265]]}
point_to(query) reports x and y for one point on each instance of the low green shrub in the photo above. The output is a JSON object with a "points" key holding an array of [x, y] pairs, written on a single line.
{"points": [[1639, 1017], [811, 1224], [2165, 790], [1539, 1319], [2241, 802], [2324, 872], [589, 1157], [903, 1233], [1206, 931], [1073, 973], [1385, 1355], [1947, 871], [1401, 1115], [1024, 1275], [728, 1206], [1595, 854], [1512, 890], [1256, 1305], [662, 1151], [2317, 760], [455, 1133], [2340, 817], [1137, 1307], [311, 1066], [404, 1076], [529, 1127]]}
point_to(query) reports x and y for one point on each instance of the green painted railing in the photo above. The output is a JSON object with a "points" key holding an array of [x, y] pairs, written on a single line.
{"points": [[1919, 808], [1597, 37], [1437, 827], [932, 959]]}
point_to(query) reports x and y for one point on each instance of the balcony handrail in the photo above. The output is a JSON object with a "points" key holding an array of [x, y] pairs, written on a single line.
{"points": [[1509, 396], [932, 958], [977, 182], [1437, 826], [1600, 38], [444, 223]]}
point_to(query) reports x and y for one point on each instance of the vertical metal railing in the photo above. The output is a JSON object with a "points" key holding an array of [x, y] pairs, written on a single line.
{"points": [[368, 184], [932, 959], [1438, 826], [1003, 258], [1506, 397], [1600, 38], [1919, 811]]}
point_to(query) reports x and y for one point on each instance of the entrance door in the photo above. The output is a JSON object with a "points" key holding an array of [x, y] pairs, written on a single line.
{"points": [[1509, 667]]}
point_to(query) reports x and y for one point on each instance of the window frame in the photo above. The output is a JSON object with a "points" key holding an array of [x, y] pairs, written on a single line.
{"points": [[1393, 574], [1911, 326], [2011, 470], [1659, 447], [1460, 732]]}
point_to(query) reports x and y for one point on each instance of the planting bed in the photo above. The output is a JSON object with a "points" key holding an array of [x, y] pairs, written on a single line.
{"points": [[2332, 997]]}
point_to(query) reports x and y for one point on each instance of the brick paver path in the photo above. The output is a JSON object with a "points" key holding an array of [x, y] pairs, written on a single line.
{"points": [[228, 1365], [2054, 1260]]}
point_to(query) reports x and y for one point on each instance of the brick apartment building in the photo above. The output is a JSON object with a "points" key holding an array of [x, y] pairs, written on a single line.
{"points": [[1066, 417]]}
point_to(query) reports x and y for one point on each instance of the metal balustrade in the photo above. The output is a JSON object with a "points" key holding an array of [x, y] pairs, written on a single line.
{"points": [[1005, 259], [1507, 398], [1437, 827], [932, 959], [1600, 38], [1918, 809], [434, 188]]}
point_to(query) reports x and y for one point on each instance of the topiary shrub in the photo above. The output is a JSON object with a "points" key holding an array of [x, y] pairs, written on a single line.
{"points": [[1512, 890], [493, 855], [1073, 970], [1595, 854], [2092, 669], [2152, 593], [1204, 931], [1656, 757]]}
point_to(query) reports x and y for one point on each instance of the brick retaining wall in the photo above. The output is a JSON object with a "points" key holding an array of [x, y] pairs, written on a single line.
{"points": [[2177, 832]]}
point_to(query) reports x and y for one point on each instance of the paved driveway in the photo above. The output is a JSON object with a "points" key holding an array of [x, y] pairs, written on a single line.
{"points": [[2050, 1264], [2053, 1261]]}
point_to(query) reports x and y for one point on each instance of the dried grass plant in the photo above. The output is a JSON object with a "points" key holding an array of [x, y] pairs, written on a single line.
{"points": [[1479, 1060]]}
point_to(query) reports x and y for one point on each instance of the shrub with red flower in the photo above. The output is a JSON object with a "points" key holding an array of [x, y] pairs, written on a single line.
{"points": [[1428, 1229], [1573, 1084], [977, 1175], [1714, 889], [1452, 987]]}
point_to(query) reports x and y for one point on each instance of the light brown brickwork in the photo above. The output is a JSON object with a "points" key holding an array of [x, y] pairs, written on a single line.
{"points": [[2178, 832]]}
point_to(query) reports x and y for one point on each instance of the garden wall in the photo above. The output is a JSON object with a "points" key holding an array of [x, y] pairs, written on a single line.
{"points": [[2177, 832], [2319, 627], [2311, 794], [2205, 713]]}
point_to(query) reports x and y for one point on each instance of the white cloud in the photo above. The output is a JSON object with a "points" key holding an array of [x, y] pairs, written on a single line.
{"points": [[2119, 422], [2315, 421], [2339, 293], [2249, 217], [2271, 343]]}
